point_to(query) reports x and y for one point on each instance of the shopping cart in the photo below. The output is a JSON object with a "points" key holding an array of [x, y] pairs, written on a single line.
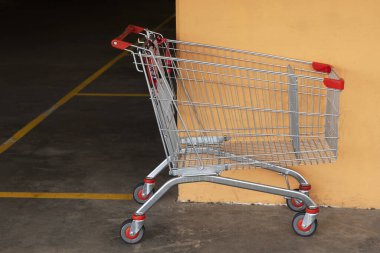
{"points": [[220, 108]]}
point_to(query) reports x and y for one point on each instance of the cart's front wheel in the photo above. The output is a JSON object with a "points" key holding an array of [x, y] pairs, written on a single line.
{"points": [[125, 235], [137, 194], [301, 231], [296, 205]]}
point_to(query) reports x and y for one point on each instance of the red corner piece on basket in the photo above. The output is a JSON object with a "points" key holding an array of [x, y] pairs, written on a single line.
{"points": [[333, 83], [312, 211], [138, 217], [134, 29], [305, 187], [119, 44], [118, 41], [321, 67]]}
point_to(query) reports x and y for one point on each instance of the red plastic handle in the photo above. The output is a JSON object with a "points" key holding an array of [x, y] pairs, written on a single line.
{"points": [[118, 41], [334, 84], [322, 67]]}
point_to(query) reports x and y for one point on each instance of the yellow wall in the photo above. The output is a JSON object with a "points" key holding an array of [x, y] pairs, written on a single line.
{"points": [[345, 34]]}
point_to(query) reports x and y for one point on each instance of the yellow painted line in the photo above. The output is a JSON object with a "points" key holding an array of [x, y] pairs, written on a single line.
{"points": [[113, 94], [51, 195], [36, 121]]}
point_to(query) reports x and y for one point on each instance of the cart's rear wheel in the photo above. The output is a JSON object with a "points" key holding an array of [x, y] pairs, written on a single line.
{"points": [[127, 238], [137, 194], [296, 205], [301, 231]]}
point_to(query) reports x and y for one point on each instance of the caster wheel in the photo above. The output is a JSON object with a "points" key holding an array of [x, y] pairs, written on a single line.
{"points": [[296, 205], [126, 237], [297, 226], [137, 194]]}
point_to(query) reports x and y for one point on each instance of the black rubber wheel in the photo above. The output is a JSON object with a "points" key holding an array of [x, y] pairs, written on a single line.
{"points": [[137, 194], [299, 230], [126, 237], [296, 205]]}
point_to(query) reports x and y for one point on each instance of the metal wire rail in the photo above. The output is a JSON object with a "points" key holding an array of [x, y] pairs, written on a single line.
{"points": [[220, 108]]}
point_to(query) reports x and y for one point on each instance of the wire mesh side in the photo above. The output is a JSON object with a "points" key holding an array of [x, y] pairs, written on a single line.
{"points": [[214, 109], [236, 57]]}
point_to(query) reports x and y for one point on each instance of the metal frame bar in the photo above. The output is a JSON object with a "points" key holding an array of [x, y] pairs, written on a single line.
{"points": [[225, 181], [264, 165], [294, 111], [159, 168], [309, 218], [332, 113]]}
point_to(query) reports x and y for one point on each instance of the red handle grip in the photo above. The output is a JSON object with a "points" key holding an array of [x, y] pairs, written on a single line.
{"points": [[322, 67], [118, 41]]}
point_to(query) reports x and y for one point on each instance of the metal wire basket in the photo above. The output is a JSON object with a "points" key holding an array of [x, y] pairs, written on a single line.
{"points": [[219, 108]]}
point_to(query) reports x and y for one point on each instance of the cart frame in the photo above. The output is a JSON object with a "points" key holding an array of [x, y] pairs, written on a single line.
{"points": [[155, 67]]}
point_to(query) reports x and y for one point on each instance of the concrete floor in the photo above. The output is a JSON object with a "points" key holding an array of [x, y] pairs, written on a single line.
{"points": [[108, 144]]}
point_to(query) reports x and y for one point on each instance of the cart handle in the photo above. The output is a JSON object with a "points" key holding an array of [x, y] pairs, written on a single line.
{"points": [[118, 41]]}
